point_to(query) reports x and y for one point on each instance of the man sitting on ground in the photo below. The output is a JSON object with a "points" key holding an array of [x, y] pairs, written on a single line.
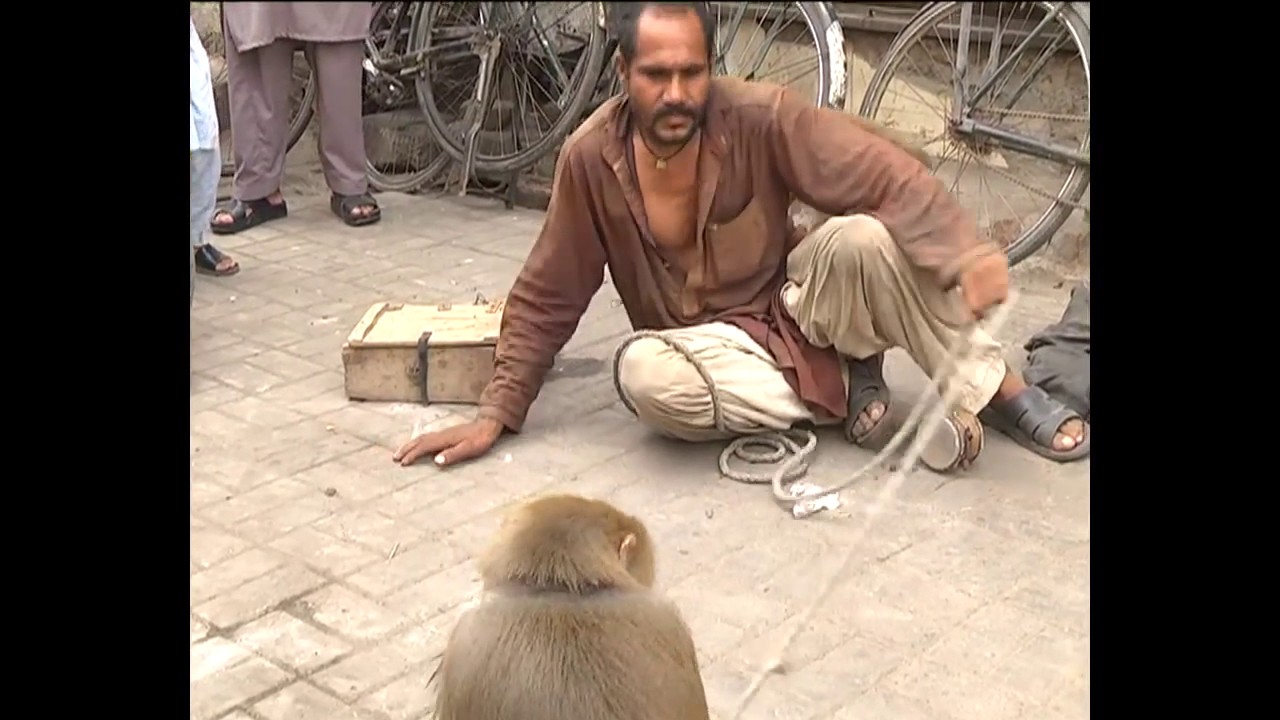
{"points": [[682, 188]]}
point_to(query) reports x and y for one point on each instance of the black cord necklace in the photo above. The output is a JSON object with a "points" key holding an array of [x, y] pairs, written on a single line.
{"points": [[660, 162]]}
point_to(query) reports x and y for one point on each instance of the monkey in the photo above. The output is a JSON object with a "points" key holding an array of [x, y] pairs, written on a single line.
{"points": [[568, 626]]}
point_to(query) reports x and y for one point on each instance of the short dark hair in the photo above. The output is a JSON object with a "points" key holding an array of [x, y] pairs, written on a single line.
{"points": [[628, 19]]}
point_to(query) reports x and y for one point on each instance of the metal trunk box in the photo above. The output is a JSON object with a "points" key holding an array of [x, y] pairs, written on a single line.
{"points": [[422, 353]]}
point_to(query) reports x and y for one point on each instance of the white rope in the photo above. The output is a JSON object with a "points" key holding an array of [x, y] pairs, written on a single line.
{"points": [[937, 414], [770, 447], [777, 444]]}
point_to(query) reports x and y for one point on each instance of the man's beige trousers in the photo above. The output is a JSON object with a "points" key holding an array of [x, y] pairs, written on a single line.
{"points": [[848, 286]]}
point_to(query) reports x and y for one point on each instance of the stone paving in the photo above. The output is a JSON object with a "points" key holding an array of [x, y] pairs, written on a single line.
{"points": [[325, 578]]}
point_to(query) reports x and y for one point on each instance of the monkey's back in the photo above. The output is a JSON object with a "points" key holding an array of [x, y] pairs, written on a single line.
{"points": [[554, 656]]}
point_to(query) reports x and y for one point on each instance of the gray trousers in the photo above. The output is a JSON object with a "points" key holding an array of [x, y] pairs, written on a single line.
{"points": [[259, 84], [1058, 356]]}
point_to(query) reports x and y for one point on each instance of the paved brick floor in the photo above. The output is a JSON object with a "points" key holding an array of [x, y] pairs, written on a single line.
{"points": [[969, 599]]}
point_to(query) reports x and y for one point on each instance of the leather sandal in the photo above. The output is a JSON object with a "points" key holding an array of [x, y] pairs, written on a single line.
{"points": [[1032, 418], [208, 258], [245, 215], [344, 206], [866, 385]]}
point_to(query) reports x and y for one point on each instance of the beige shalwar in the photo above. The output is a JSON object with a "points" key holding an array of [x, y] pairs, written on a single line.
{"points": [[848, 287]]}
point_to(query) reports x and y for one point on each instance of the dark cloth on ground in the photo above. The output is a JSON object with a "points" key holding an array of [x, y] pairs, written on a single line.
{"points": [[1058, 355]]}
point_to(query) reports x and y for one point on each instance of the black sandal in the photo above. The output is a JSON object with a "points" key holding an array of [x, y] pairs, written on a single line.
{"points": [[1032, 418], [245, 215], [344, 206], [209, 257], [866, 385]]}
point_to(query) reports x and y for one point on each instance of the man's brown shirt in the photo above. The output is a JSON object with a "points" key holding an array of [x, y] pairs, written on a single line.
{"points": [[762, 148]]}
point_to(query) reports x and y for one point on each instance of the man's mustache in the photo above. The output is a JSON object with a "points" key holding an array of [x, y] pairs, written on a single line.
{"points": [[675, 111]]}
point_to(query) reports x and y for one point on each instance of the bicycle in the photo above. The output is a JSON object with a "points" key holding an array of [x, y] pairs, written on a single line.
{"points": [[823, 29], [990, 135], [379, 94], [397, 49], [484, 73], [470, 62], [386, 93]]}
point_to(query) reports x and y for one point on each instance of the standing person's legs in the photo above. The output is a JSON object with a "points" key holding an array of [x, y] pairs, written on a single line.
{"points": [[258, 86], [339, 84], [851, 287], [206, 169]]}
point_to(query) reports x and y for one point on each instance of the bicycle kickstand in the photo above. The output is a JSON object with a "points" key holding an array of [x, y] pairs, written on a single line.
{"points": [[478, 111], [468, 158]]}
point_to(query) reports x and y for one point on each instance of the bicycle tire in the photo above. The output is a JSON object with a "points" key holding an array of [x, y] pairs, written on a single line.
{"points": [[824, 27], [580, 92], [1036, 237], [384, 182], [828, 36]]}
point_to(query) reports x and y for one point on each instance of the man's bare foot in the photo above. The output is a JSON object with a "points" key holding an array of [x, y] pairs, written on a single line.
{"points": [[868, 418]]}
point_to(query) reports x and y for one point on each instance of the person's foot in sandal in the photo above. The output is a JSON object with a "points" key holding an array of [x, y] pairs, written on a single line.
{"points": [[212, 261], [356, 210], [240, 215], [1036, 421], [868, 402]]}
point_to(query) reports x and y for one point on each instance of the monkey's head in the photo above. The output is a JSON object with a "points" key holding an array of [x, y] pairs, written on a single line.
{"points": [[572, 543]]}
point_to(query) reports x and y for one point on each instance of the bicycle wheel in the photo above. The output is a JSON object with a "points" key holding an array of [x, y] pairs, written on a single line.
{"points": [[926, 97], [544, 72], [301, 108], [400, 153], [809, 57]]}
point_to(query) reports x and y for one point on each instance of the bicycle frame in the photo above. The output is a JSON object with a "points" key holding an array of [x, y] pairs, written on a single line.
{"points": [[962, 114], [409, 63], [484, 40], [415, 61]]}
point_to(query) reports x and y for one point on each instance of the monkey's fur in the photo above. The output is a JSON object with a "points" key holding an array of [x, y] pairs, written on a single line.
{"points": [[570, 628]]}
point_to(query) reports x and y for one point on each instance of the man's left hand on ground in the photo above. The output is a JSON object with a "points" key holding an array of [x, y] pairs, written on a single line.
{"points": [[985, 283]]}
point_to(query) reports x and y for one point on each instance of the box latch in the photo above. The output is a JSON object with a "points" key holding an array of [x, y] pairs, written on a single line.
{"points": [[424, 341]]}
